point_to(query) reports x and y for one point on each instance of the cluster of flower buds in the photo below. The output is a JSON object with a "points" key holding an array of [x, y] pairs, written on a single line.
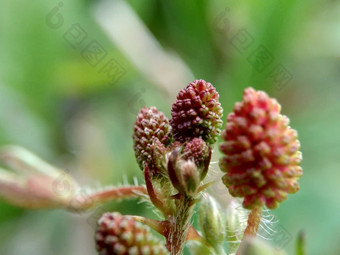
{"points": [[261, 151], [122, 235], [212, 222], [260, 163], [180, 148], [175, 154]]}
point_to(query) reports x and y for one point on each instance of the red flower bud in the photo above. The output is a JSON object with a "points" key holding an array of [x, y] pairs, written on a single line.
{"points": [[122, 235], [197, 113], [198, 151], [262, 154]]}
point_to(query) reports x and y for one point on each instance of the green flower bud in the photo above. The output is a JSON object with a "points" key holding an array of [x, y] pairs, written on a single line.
{"points": [[211, 222], [236, 221], [190, 177]]}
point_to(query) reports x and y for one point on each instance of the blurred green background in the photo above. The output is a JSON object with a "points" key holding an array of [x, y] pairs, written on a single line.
{"points": [[74, 74]]}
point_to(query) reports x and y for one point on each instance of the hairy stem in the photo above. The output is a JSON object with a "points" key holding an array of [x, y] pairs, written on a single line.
{"points": [[106, 195], [119, 193], [254, 220], [179, 225], [152, 193]]}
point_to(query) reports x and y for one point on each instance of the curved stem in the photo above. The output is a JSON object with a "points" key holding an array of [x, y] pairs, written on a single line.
{"points": [[118, 193], [152, 193]]}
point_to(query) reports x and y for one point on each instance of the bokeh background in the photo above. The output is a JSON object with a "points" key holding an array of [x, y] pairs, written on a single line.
{"points": [[73, 75]]}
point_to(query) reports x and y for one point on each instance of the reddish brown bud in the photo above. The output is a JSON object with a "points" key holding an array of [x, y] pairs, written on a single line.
{"points": [[150, 125], [197, 113], [122, 235], [199, 152], [262, 154]]}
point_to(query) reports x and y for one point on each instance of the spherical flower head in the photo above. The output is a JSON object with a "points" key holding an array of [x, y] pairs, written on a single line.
{"points": [[150, 125], [122, 235], [197, 113], [261, 151]]}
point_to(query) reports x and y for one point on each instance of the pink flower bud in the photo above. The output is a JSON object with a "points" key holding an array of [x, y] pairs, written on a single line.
{"points": [[261, 151]]}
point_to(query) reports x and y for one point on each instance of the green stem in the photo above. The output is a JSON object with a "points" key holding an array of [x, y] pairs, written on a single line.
{"points": [[301, 244]]}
